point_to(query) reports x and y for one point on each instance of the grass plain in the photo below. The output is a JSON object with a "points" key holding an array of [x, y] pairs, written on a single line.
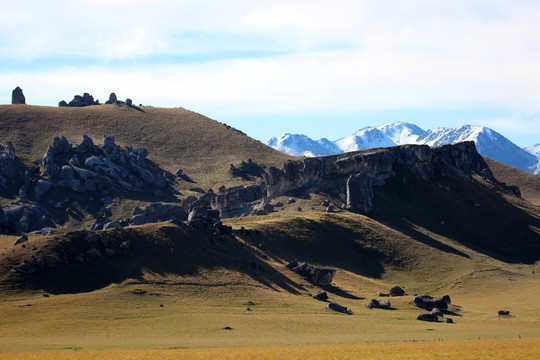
{"points": [[515, 349]]}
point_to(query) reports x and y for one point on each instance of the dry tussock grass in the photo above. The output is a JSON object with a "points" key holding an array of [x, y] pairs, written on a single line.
{"points": [[516, 349]]}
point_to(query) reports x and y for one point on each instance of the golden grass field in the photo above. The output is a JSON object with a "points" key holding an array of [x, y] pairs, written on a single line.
{"points": [[509, 349]]}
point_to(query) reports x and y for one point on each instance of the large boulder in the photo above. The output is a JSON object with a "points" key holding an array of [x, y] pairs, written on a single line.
{"points": [[339, 308], [428, 317], [17, 96], [429, 302], [379, 304], [396, 291]]}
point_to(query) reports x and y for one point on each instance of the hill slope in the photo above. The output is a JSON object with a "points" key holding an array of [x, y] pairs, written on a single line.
{"points": [[529, 184], [175, 138]]}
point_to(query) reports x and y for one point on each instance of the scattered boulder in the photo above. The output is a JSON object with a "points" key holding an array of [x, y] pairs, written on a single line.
{"points": [[325, 203], [17, 96], [446, 299], [21, 240], [322, 296], [129, 102], [179, 172], [339, 308], [449, 321], [378, 304], [62, 103], [330, 208], [396, 291], [292, 264], [437, 312], [290, 201], [428, 317], [504, 312], [429, 302]]}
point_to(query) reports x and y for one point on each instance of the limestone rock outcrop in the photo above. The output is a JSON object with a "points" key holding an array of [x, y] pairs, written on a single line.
{"points": [[17, 96]]}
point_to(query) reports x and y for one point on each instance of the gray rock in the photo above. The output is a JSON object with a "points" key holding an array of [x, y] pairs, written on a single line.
{"points": [[112, 99], [437, 312], [339, 308], [428, 317], [429, 302], [21, 240], [63, 103], [290, 201], [61, 145], [86, 146], [330, 208], [322, 296], [379, 304], [446, 299], [129, 102], [179, 172], [449, 321], [325, 203], [396, 291], [504, 312], [17, 96]]}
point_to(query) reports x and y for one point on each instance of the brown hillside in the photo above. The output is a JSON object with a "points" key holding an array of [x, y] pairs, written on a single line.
{"points": [[529, 184], [175, 138]]}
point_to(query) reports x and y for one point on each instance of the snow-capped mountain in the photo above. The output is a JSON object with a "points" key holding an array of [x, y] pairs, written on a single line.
{"points": [[302, 145], [366, 138], [533, 149], [488, 142], [401, 133]]}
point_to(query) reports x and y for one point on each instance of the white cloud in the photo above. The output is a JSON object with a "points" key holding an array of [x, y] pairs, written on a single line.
{"points": [[334, 55]]}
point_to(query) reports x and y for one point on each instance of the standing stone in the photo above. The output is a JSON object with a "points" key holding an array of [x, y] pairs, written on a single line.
{"points": [[17, 96]]}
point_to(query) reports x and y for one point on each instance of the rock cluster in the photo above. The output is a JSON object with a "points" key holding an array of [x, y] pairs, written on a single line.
{"points": [[87, 167], [80, 168], [80, 101], [317, 275], [17, 96]]}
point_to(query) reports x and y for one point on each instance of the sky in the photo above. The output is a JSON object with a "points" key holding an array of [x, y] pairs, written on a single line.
{"points": [[321, 68]]}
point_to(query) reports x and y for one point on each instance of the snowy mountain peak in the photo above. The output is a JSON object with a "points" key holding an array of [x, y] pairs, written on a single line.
{"points": [[401, 132], [365, 138], [302, 145]]}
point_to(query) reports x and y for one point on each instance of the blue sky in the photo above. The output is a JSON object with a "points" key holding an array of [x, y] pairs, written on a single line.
{"points": [[325, 69]]}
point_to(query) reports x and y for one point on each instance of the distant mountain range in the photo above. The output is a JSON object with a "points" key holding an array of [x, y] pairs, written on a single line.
{"points": [[488, 142]]}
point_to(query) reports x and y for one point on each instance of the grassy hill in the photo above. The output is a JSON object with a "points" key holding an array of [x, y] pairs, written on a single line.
{"points": [[176, 286], [175, 138], [529, 184]]}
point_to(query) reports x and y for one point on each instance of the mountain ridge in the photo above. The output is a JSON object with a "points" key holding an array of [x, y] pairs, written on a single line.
{"points": [[489, 142]]}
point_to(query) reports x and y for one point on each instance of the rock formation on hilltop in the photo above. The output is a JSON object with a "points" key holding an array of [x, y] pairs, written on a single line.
{"points": [[80, 101], [17, 96]]}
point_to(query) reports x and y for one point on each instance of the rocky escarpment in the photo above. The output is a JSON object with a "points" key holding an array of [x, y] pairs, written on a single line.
{"points": [[354, 174]]}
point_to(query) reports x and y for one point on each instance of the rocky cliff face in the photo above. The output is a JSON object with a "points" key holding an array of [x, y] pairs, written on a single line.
{"points": [[358, 172]]}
